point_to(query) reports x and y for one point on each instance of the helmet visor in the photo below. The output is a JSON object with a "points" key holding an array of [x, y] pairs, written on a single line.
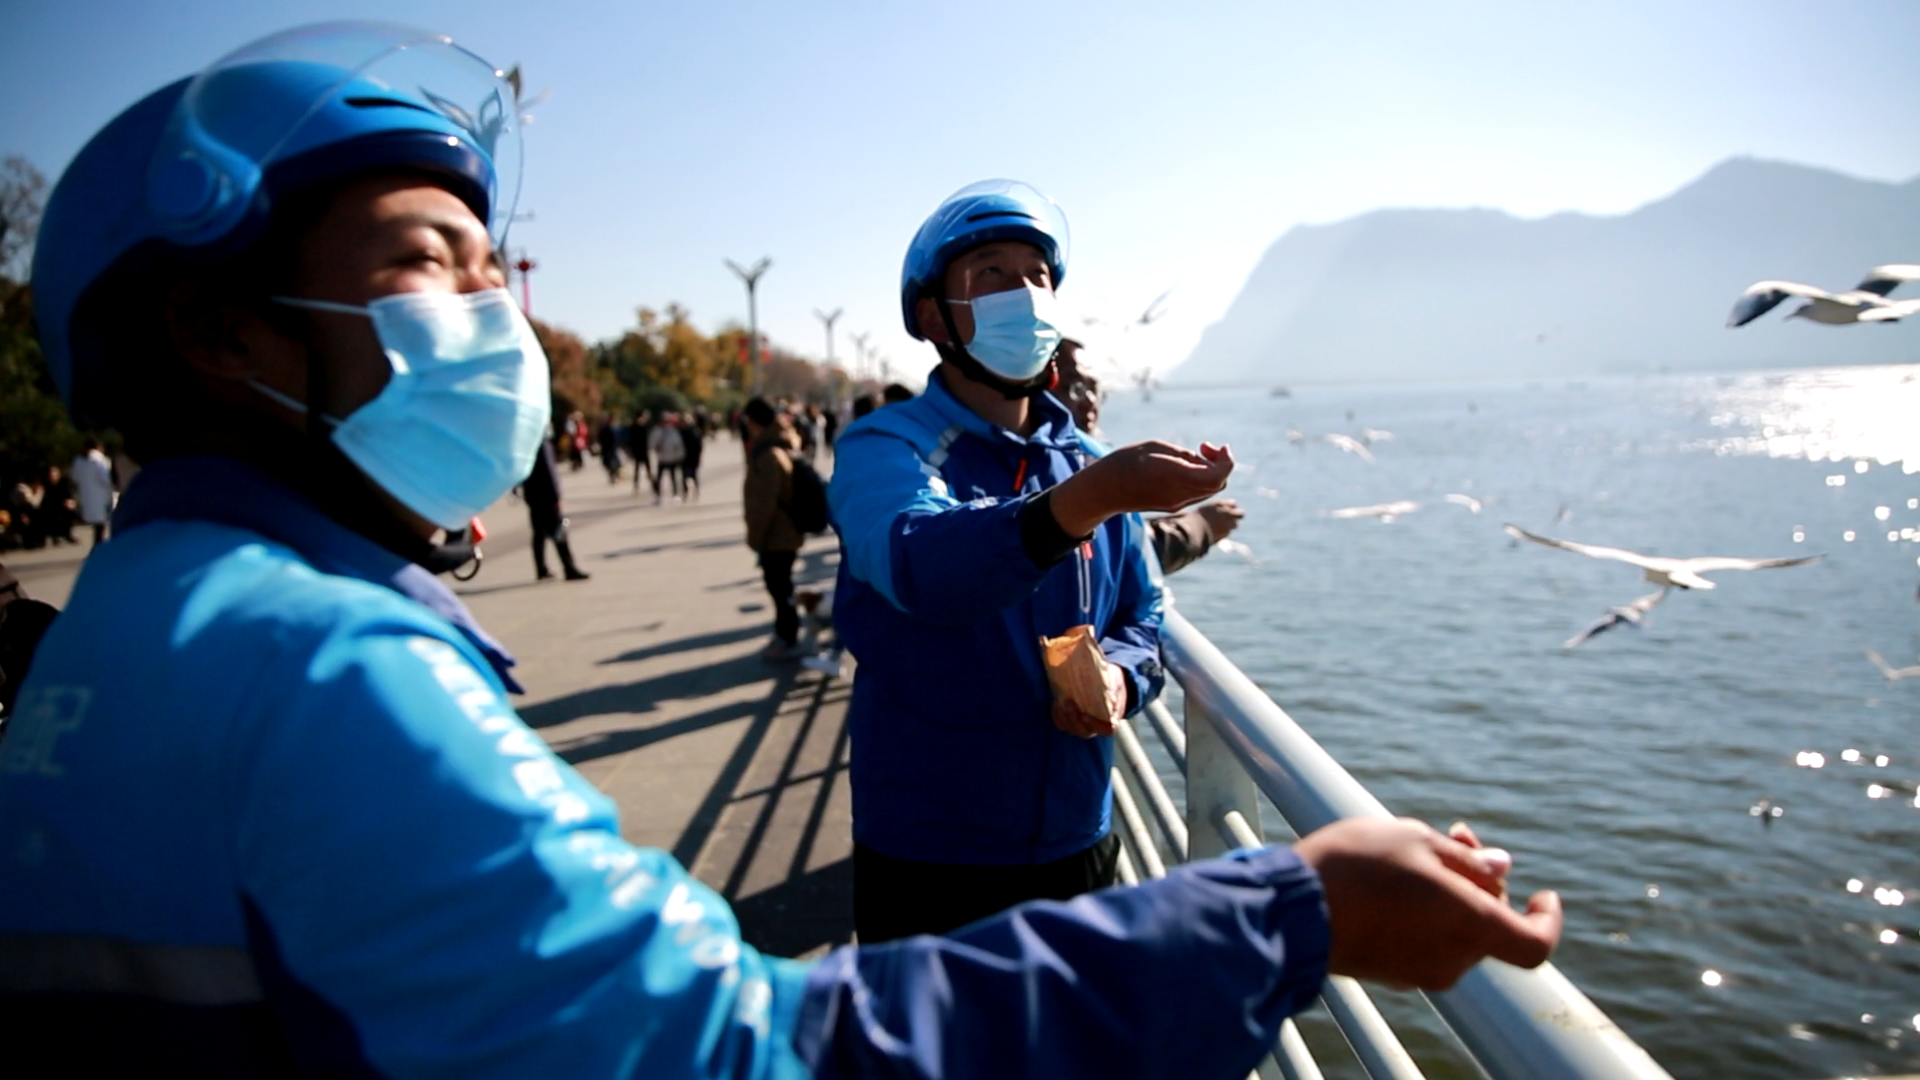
{"points": [[317, 86]]}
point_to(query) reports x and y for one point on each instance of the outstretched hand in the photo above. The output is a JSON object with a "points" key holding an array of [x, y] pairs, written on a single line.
{"points": [[1222, 518], [1142, 477], [1412, 908]]}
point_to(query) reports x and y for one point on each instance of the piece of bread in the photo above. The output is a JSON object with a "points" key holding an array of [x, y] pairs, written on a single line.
{"points": [[1075, 670]]}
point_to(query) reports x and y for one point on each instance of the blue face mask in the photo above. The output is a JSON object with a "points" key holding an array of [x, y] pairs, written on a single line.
{"points": [[1014, 332], [461, 418]]}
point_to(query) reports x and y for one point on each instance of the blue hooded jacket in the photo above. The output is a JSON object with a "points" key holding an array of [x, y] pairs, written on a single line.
{"points": [[265, 810], [954, 568]]}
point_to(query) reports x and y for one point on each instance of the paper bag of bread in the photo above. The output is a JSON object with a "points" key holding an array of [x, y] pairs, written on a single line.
{"points": [[1076, 670]]}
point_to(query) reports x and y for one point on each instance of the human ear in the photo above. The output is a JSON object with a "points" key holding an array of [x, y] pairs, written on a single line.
{"points": [[926, 312], [216, 338]]}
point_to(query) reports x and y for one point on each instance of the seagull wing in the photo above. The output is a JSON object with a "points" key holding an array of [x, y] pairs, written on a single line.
{"points": [[1591, 551], [1892, 311], [1600, 626], [1711, 563], [1644, 604], [1882, 280], [1762, 297], [1153, 311], [1351, 445], [1881, 663]]}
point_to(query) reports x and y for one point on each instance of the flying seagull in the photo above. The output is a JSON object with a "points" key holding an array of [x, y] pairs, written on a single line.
{"points": [[1351, 445], [1633, 614], [1865, 302], [1661, 571], [1893, 674], [1467, 501], [1386, 512]]}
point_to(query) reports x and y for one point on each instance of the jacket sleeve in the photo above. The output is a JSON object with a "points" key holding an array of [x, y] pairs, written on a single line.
{"points": [[1131, 637], [440, 895], [928, 553], [1179, 540], [1190, 975]]}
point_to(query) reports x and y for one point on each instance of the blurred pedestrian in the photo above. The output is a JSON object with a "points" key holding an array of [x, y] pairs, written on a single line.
{"points": [[894, 394], [23, 506], [771, 533], [58, 508], [541, 490], [669, 450], [830, 428], [93, 488], [636, 436], [693, 440], [609, 440]]}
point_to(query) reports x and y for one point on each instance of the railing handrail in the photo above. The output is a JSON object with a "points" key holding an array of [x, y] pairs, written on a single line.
{"points": [[1518, 1024]]}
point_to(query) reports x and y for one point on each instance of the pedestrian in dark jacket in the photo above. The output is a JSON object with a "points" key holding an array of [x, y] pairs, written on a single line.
{"points": [[636, 435], [541, 490], [771, 533], [693, 436]]}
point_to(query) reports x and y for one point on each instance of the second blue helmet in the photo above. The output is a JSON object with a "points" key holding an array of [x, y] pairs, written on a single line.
{"points": [[981, 213]]}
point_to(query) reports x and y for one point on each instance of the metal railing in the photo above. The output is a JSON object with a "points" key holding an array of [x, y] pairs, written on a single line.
{"points": [[1236, 746]]}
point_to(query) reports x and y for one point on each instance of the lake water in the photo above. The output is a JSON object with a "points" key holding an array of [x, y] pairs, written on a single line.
{"points": [[1425, 654]]}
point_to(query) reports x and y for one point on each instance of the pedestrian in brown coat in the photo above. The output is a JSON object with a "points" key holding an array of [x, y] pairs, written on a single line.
{"points": [[771, 533]]}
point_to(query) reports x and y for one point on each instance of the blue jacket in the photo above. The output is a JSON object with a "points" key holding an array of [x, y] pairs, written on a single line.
{"points": [[264, 808], [953, 569]]}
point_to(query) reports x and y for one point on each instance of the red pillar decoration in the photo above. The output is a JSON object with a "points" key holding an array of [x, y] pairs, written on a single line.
{"points": [[526, 266]]}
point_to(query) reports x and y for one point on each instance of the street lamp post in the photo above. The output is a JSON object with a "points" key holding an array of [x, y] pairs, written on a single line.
{"points": [[751, 275], [833, 388], [829, 318], [860, 352]]}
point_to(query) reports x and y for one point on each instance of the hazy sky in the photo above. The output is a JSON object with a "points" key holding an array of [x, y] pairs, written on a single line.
{"points": [[1182, 140]]}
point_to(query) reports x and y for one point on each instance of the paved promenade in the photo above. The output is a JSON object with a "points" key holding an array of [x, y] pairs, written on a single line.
{"points": [[647, 678]]}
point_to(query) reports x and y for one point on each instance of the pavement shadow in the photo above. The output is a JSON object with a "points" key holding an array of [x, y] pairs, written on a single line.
{"points": [[687, 644], [683, 545], [806, 913], [601, 744], [807, 910], [645, 695]]}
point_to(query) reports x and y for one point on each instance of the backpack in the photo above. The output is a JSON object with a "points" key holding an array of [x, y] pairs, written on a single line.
{"points": [[808, 507]]}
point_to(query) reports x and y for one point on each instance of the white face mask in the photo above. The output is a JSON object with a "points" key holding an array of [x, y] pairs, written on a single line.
{"points": [[461, 418], [1015, 332]]}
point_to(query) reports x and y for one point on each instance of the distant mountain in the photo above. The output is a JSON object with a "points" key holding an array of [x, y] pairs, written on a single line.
{"points": [[1450, 294]]}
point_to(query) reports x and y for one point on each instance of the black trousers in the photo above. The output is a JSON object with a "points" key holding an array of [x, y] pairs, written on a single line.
{"points": [[552, 529], [897, 898], [776, 569]]}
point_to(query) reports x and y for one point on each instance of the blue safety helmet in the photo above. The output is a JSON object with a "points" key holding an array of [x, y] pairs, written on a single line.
{"points": [[981, 214], [198, 167]]}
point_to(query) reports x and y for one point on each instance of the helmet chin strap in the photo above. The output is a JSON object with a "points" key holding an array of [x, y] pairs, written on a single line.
{"points": [[316, 468], [956, 354]]}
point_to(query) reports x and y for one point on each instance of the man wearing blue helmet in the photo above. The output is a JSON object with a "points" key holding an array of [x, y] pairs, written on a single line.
{"points": [[293, 827], [977, 522]]}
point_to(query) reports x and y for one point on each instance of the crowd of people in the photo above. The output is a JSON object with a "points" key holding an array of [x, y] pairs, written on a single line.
{"points": [[46, 508], [269, 808]]}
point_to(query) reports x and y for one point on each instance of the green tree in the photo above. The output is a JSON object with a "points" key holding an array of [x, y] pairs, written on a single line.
{"points": [[34, 429], [22, 194]]}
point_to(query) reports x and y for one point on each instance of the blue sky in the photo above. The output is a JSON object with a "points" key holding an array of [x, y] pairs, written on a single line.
{"points": [[1182, 140]]}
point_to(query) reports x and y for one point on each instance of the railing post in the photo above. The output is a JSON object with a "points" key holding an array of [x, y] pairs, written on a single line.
{"points": [[1217, 784]]}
